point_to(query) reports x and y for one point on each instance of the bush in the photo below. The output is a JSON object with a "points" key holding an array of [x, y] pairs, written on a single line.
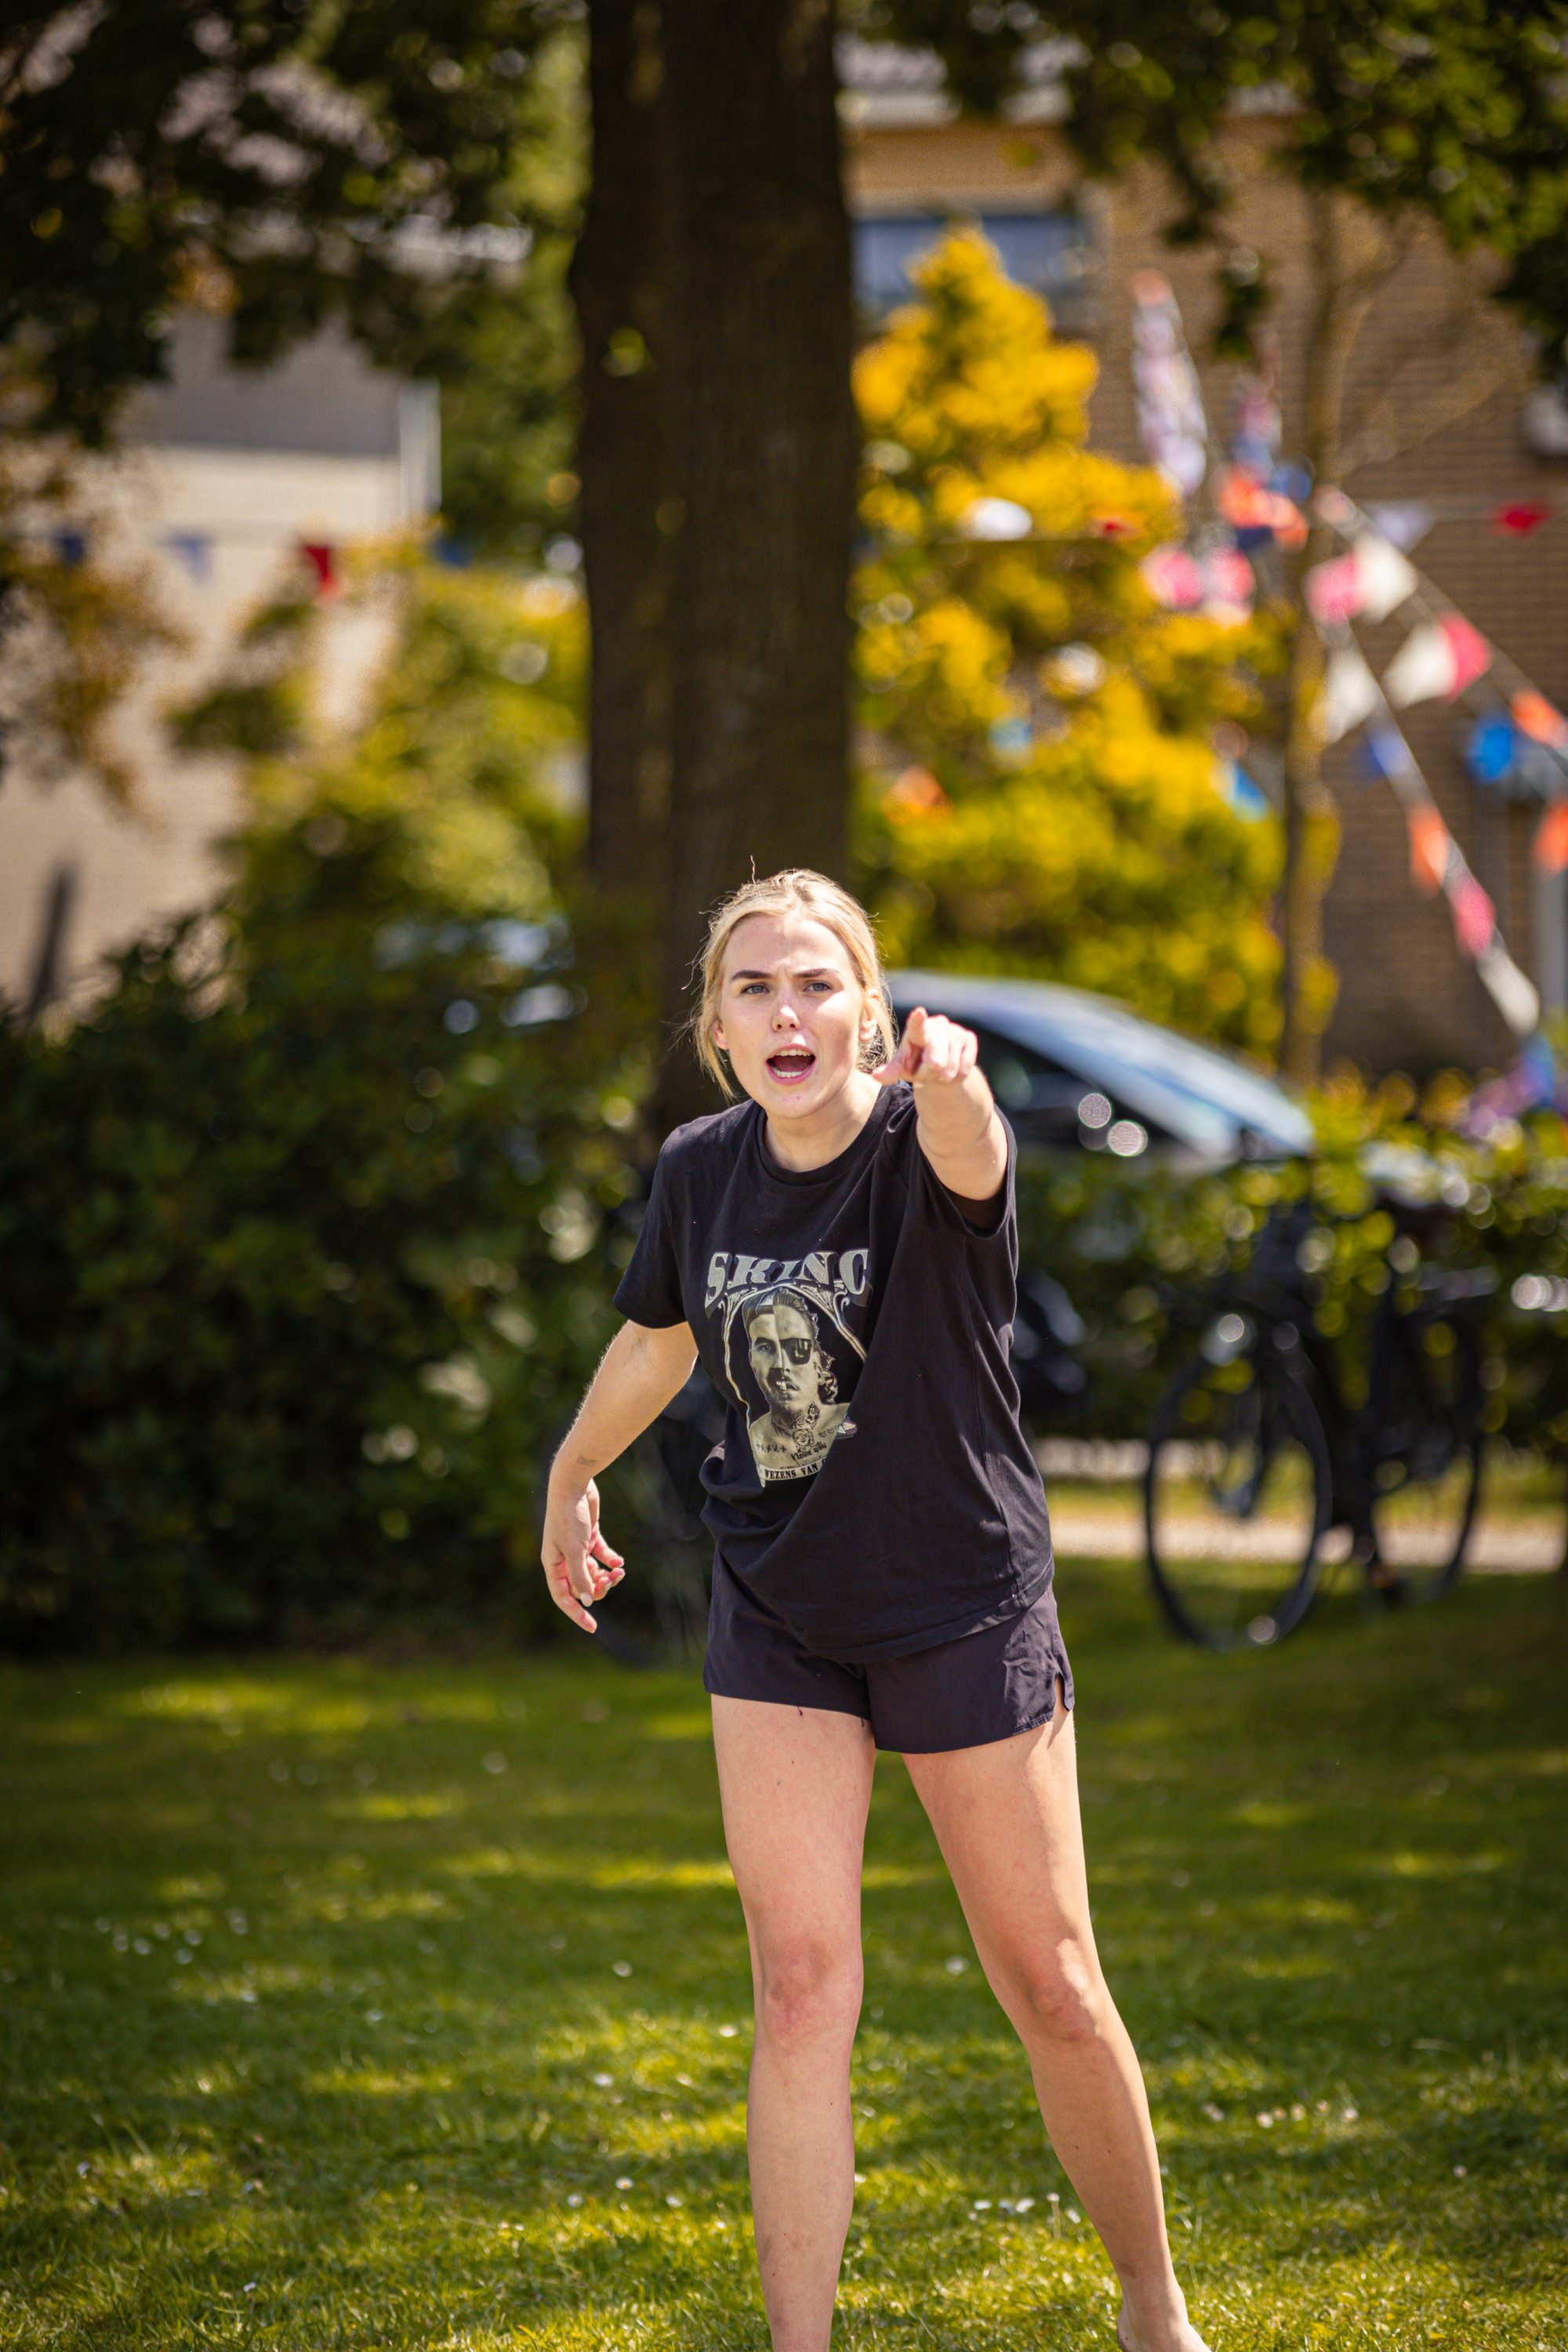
{"points": [[309, 1227], [305, 1266]]}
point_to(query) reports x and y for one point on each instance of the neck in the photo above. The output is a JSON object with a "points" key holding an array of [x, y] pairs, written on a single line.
{"points": [[802, 1144]]}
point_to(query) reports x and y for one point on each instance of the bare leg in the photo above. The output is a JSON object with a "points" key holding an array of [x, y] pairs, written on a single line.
{"points": [[1006, 1819], [796, 1785]]}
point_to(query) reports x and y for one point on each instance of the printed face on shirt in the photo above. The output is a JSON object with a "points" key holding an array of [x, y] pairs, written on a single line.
{"points": [[786, 1362], [795, 1377]]}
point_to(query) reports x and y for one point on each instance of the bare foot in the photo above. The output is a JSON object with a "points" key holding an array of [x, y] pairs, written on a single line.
{"points": [[1185, 2337]]}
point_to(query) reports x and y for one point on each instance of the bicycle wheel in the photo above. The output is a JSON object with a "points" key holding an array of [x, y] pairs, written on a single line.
{"points": [[1424, 1457], [1237, 1490]]}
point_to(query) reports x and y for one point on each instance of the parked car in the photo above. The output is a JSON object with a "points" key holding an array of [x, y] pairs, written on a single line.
{"points": [[1079, 1072]]}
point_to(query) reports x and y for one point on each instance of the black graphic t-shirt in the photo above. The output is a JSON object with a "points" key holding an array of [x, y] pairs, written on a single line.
{"points": [[874, 1485]]}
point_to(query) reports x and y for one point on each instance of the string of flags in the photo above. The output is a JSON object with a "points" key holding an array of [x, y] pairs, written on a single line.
{"points": [[1519, 738], [194, 550]]}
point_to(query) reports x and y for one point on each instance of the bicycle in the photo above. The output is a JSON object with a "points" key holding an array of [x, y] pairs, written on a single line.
{"points": [[1262, 1473]]}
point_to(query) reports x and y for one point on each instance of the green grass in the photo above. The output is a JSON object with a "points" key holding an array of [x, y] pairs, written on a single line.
{"points": [[460, 2056]]}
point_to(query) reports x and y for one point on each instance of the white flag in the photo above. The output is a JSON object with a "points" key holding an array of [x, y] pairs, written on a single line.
{"points": [[1383, 576], [1350, 694]]}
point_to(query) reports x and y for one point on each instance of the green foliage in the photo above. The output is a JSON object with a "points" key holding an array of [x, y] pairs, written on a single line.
{"points": [[73, 629], [1459, 111], [505, 350], [1042, 795], [146, 143], [306, 1220], [1329, 1886]]}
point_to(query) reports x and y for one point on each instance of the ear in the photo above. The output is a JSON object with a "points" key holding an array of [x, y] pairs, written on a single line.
{"points": [[719, 1037]]}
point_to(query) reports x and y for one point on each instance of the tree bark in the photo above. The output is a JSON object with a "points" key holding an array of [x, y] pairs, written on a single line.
{"points": [[762, 436], [618, 285]]}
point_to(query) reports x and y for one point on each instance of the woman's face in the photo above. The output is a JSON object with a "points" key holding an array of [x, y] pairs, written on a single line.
{"points": [[791, 1016]]}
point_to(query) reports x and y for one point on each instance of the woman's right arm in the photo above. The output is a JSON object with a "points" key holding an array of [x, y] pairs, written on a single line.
{"points": [[641, 1370]]}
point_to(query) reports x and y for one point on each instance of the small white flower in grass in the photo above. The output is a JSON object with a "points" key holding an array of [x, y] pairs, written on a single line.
{"points": [[494, 1762], [250, 2286], [728, 2033], [981, 2205], [1215, 2115], [621, 1968], [604, 2082], [1073, 2214], [574, 2200], [859, 2179], [672, 2199], [1024, 2205], [1459, 2172], [1266, 2119], [957, 1965], [1351, 2116], [624, 2182], [687, 2080]]}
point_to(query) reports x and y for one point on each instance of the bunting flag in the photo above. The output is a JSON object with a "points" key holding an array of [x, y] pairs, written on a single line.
{"points": [[1383, 577], [1540, 719], [1438, 863], [1374, 579], [1403, 524], [1255, 511], [1550, 847], [322, 561], [1438, 658], [1173, 579], [1255, 423], [1227, 586], [1389, 754], [194, 550], [1236, 790], [1429, 846], [1519, 521], [1171, 420], [1350, 694], [1492, 752]]}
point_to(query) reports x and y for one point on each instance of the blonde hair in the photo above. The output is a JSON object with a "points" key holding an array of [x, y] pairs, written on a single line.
{"points": [[797, 888]]}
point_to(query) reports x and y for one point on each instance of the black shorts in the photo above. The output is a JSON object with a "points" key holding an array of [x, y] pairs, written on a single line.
{"points": [[965, 1694]]}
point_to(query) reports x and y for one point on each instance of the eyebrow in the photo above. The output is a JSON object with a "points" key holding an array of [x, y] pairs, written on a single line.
{"points": [[816, 971]]}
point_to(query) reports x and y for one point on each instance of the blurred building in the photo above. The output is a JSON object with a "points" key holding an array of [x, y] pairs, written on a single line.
{"points": [[1439, 411], [230, 481]]}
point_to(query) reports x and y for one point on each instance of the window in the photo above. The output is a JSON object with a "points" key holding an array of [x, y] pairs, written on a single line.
{"points": [[1047, 252]]}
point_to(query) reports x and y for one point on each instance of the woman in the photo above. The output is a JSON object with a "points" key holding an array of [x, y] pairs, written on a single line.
{"points": [[880, 1581]]}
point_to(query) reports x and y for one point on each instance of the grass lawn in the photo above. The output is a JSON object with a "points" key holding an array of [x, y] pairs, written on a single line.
{"points": [[352, 2004]]}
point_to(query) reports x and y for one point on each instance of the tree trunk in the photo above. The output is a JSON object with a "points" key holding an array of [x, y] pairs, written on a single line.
{"points": [[762, 435], [618, 285]]}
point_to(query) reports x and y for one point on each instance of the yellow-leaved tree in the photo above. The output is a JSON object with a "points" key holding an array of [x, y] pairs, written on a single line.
{"points": [[1041, 791]]}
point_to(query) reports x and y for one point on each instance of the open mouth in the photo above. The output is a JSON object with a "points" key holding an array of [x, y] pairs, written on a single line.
{"points": [[792, 1064]]}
